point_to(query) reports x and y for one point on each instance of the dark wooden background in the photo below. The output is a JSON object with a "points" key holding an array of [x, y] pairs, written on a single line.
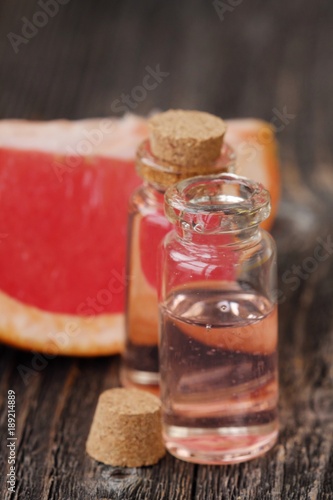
{"points": [[262, 56]]}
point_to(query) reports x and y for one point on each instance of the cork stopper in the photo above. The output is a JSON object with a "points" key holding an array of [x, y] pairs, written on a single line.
{"points": [[186, 137], [126, 429], [182, 144]]}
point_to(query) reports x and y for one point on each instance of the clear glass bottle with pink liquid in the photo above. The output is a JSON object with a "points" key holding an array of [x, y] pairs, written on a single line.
{"points": [[146, 229], [218, 322]]}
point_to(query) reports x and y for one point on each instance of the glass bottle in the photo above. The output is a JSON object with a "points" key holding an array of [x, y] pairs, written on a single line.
{"points": [[147, 227], [218, 321]]}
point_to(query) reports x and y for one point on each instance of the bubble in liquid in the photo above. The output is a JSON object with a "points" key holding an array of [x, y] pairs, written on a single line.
{"points": [[224, 306]]}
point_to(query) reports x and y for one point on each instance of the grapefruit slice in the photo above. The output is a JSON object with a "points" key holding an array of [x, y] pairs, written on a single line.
{"points": [[64, 189]]}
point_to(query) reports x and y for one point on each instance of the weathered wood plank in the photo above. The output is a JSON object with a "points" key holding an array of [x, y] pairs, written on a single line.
{"points": [[263, 56]]}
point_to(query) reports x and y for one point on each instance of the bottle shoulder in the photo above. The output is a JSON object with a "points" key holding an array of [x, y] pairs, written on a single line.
{"points": [[215, 247], [146, 200]]}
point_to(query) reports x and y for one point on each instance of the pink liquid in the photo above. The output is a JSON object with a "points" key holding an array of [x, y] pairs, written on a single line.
{"points": [[218, 366]]}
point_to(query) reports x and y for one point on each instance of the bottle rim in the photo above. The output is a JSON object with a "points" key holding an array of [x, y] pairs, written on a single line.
{"points": [[217, 203]]}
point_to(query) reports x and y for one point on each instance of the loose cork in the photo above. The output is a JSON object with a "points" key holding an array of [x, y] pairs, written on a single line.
{"points": [[126, 429], [186, 138]]}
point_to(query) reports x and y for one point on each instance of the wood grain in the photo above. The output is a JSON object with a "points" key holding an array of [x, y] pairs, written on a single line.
{"points": [[262, 57]]}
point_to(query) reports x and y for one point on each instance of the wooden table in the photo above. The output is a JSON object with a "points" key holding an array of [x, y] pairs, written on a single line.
{"points": [[253, 59]]}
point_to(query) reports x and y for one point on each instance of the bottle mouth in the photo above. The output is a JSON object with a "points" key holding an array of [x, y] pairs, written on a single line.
{"points": [[217, 203], [162, 174]]}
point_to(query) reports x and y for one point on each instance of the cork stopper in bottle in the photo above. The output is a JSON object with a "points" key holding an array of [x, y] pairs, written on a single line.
{"points": [[186, 138], [126, 429], [182, 144]]}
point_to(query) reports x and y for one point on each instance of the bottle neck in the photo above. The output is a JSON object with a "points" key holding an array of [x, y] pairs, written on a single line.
{"points": [[154, 194], [244, 238], [221, 210], [161, 174]]}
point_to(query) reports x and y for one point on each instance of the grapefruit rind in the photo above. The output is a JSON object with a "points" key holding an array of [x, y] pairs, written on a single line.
{"points": [[30, 328]]}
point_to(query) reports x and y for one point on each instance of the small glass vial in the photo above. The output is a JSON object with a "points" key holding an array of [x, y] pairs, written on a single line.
{"points": [[148, 225], [218, 322]]}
